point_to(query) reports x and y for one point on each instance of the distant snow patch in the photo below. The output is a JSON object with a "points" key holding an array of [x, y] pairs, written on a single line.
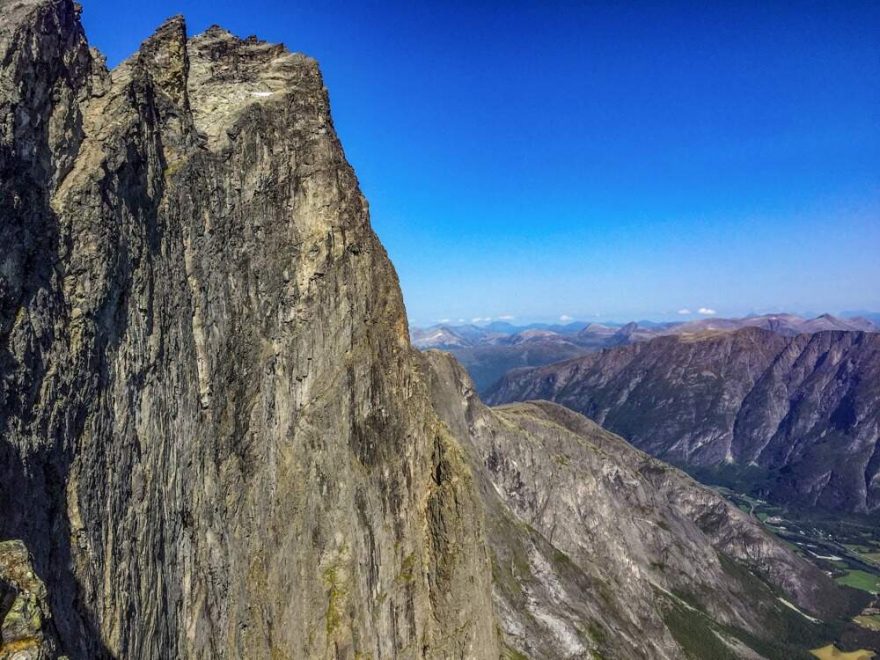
{"points": [[679, 600], [829, 557], [795, 608]]}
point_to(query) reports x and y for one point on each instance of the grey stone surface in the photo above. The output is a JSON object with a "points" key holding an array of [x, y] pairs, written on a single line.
{"points": [[214, 441]]}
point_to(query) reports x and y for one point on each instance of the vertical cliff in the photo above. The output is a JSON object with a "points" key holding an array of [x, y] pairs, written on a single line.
{"points": [[213, 439]]}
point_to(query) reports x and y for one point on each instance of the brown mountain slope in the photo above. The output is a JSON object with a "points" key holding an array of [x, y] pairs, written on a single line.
{"points": [[805, 410]]}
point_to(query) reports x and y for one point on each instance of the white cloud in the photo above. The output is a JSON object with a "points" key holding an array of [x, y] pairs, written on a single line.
{"points": [[481, 319], [461, 320], [684, 311], [565, 317], [506, 317], [706, 311], [443, 321]]}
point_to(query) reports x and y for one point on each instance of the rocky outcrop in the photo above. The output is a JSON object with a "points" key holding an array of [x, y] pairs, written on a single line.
{"points": [[797, 416], [26, 627], [215, 438]]}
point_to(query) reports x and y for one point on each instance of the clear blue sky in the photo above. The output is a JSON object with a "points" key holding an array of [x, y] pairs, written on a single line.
{"points": [[625, 160]]}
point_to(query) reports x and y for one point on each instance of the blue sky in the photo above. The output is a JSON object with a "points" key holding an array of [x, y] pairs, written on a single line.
{"points": [[600, 159]]}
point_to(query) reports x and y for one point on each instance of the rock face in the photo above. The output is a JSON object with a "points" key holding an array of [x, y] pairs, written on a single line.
{"points": [[216, 440], [801, 414], [26, 628]]}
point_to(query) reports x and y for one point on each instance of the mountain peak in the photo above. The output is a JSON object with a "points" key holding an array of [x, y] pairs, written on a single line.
{"points": [[164, 55]]}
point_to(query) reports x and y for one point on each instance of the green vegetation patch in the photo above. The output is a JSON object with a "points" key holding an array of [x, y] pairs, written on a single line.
{"points": [[694, 633], [335, 598], [596, 632], [860, 580], [868, 553], [870, 621], [787, 634], [510, 653], [407, 569], [831, 652]]}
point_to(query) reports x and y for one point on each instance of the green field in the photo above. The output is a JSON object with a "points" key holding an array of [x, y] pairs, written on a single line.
{"points": [[831, 652], [868, 553], [861, 580], [871, 621], [853, 541]]}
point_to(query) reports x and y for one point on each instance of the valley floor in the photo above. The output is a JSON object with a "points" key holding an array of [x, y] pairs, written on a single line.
{"points": [[847, 548]]}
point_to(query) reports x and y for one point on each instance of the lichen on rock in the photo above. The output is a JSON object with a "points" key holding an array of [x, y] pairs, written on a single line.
{"points": [[26, 627]]}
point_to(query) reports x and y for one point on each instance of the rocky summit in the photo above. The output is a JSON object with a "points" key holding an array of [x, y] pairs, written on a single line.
{"points": [[795, 417], [217, 442]]}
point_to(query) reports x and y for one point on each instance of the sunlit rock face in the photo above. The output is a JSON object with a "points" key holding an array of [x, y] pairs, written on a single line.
{"points": [[27, 631], [215, 438]]}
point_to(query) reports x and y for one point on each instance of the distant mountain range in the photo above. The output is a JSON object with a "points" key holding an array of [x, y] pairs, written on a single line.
{"points": [[489, 351], [792, 417]]}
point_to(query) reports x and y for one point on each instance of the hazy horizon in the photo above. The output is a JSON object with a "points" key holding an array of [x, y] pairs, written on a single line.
{"points": [[677, 316], [599, 160]]}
